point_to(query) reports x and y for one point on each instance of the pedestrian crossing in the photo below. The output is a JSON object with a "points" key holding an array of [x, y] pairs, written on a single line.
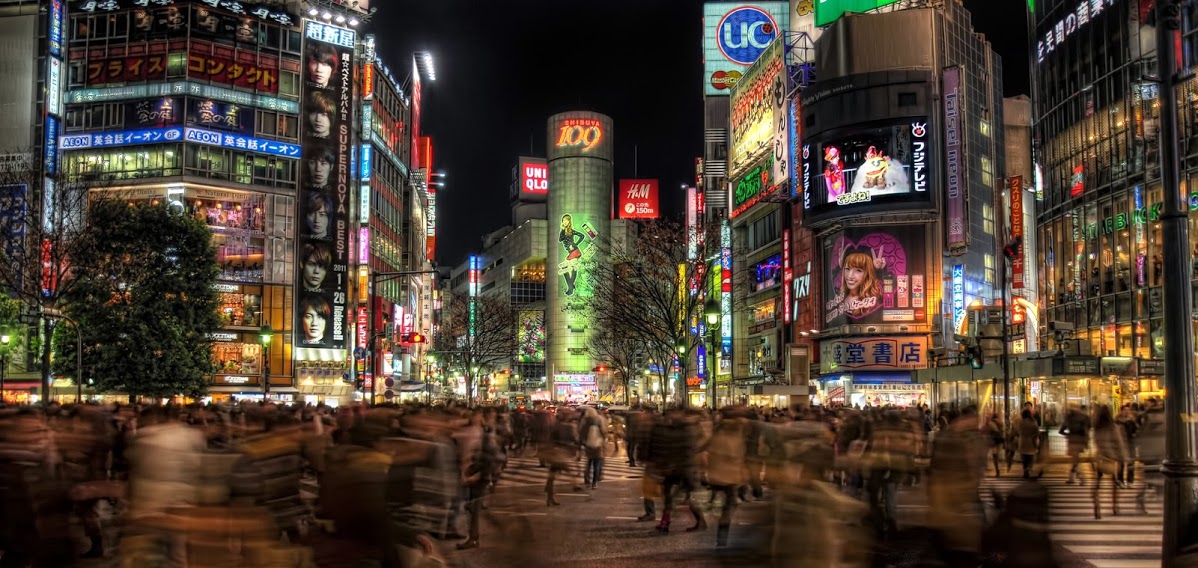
{"points": [[1127, 540], [526, 472]]}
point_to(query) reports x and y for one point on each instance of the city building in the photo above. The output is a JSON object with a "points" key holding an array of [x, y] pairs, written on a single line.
{"points": [[1099, 200], [897, 166], [248, 116]]}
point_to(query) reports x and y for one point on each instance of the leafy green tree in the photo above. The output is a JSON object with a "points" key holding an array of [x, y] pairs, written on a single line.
{"points": [[148, 310]]}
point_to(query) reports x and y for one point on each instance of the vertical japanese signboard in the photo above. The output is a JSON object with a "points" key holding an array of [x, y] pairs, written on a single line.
{"points": [[1015, 189], [322, 262], [956, 189], [788, 275]]}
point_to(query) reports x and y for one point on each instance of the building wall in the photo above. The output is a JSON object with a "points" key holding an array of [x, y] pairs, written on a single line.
{"points": [[580, 181], [18, 57]]}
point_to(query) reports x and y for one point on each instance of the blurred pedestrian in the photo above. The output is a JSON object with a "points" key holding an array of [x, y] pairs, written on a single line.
{"points": [[1110, 451]]}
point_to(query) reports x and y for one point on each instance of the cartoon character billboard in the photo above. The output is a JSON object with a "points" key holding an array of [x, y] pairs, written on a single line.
{"points": [[875, 275]]}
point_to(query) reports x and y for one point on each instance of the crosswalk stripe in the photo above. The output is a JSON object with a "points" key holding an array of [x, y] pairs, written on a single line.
{"points": [[1125, 563], [1107, 538], [1108, 527], [1097, 549]]}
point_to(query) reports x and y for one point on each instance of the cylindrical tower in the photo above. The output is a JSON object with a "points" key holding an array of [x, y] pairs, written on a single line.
{"points": [[580, 187]]}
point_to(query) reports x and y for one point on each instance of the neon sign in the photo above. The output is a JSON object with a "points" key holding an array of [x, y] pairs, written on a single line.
{"points": [[958, 296], [580, 132], [1086, 10]]}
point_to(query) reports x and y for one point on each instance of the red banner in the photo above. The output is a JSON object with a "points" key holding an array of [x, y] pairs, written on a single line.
{"points": [[222, 70], [1015, 189], [152, 67], [127, 69], [638, 199]]}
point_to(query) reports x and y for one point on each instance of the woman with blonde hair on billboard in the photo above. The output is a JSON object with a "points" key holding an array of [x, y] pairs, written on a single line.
{"points": [[860, 286]]}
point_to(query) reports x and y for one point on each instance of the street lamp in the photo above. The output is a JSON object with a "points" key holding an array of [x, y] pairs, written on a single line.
{"points": [[711, 310], [266, 335], [429, 360], [4, 339], [55, 313]]}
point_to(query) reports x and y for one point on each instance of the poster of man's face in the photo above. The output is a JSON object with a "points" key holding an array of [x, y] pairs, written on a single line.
{"points": [[320, 167], [320, 64]]}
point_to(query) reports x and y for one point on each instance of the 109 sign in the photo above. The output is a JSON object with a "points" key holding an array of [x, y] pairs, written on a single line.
{"points": [[744, 33], [580, 133]]}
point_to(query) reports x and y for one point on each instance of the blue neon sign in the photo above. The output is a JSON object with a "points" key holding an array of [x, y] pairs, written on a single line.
{"points": [[958, 297], [176, 134], [51, 146], [366, 158], [55, 36]]}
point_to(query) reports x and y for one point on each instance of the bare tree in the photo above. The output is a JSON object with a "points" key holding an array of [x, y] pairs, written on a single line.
{"points": [[478, 340], [621, 352], [650, 291], [42, 227]]}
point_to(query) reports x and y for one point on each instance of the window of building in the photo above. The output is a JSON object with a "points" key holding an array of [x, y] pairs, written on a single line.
{"points": [[987, 172], [988, 218], [288, 83], [984, 127], [176, 65], [282, 216], [241, 258], [123, 163], [76, 73], [990, 272]]}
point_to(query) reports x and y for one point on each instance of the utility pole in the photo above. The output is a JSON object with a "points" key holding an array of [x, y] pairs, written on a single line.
{"points": [[1180, 468]]}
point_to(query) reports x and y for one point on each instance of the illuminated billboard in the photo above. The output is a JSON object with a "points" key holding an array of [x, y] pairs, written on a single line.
{"points": [[532, 179], [828, 11], [637, 199], [735, 34], [753, 109], [875, 275], [530, 337], [852, 167], [323, 254]]}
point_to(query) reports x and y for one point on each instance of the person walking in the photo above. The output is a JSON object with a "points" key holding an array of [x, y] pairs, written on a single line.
{"points": [[1028, 441], [593, 431], [1076, 429], [726, 466], [672, 449], [1126, 475], [994, 433], [1110, 451], [563, 451]]}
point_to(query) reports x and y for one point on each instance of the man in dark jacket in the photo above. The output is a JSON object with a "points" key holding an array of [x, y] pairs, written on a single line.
{"points": [[673, 443]]}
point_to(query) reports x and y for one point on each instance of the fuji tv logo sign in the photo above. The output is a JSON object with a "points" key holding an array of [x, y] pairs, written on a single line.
{"points": [[744, 32]]}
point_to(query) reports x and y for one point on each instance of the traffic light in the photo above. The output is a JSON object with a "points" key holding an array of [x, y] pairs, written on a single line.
{"points": [[600, 369], [976, 360], [1011, 251], [412, 338]]}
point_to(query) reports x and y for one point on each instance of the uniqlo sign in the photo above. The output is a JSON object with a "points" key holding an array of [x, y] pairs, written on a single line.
{"points": [[533, 179], [638, 199]]}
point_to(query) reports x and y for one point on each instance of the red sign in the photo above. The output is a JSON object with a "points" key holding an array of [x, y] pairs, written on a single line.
{"points": [[152, 67], [1015, 189], [788, 275], [534, 178], [638, 199], [367, 82], [580, 132], [363, 325], [1079, 181]]}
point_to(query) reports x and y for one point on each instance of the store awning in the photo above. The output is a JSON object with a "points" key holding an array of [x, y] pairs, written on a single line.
{"points": [[410, 387]]}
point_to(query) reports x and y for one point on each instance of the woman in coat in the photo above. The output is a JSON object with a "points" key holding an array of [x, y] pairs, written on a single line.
{"points": [[1028, 443], [1110, 451]]}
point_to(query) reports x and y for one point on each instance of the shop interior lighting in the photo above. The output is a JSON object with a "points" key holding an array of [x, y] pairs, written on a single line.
{"points": [[340, 19], [326, 16], [353, 22], [313, 12]]}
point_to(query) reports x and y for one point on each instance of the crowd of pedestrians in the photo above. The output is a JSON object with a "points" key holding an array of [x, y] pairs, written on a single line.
{"points": [[224, 485]]}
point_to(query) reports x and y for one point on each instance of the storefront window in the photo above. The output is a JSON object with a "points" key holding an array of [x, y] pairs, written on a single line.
{"points": [[122, 163], [245, 214], [240, 306], [237, 357], [241, 258]]}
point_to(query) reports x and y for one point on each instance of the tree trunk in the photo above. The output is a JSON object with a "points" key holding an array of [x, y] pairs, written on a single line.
{"points": [[48, 332]]}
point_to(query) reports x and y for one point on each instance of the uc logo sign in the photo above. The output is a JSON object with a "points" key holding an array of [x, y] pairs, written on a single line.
{"points": [[744, 32]]}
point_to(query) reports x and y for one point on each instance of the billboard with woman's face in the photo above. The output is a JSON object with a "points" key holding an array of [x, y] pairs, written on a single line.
{"points": [[875, 275]]}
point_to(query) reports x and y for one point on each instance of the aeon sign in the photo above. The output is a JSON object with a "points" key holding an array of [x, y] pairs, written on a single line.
{"points": [[744, 32], [582, 133]]}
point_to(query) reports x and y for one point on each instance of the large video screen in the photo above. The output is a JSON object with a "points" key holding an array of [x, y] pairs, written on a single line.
{"points": [[847, 169]]}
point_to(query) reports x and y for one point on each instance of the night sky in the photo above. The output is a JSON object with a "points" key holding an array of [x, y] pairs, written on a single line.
{"points": [[504, 67]]}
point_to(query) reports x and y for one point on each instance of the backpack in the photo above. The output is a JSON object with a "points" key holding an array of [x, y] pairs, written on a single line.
{"points": [[594, 438]]}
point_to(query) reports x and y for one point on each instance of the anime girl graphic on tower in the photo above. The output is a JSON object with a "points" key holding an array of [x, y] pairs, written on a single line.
{"points": [[570, 239]]}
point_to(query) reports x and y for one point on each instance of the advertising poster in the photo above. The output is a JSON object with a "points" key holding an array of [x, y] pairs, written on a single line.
{"points": [[226, 25], [531, 337], [955, 180], [578, 247], [1015, 191], [147, 21], [164, 111], [734, 36], [637, 199], [860, 166], [323, 243], [755, 108], [226, 117], [875, 275]]}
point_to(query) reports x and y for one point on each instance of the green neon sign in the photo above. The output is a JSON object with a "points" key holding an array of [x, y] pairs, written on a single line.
{"points": [[828, 11]]}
